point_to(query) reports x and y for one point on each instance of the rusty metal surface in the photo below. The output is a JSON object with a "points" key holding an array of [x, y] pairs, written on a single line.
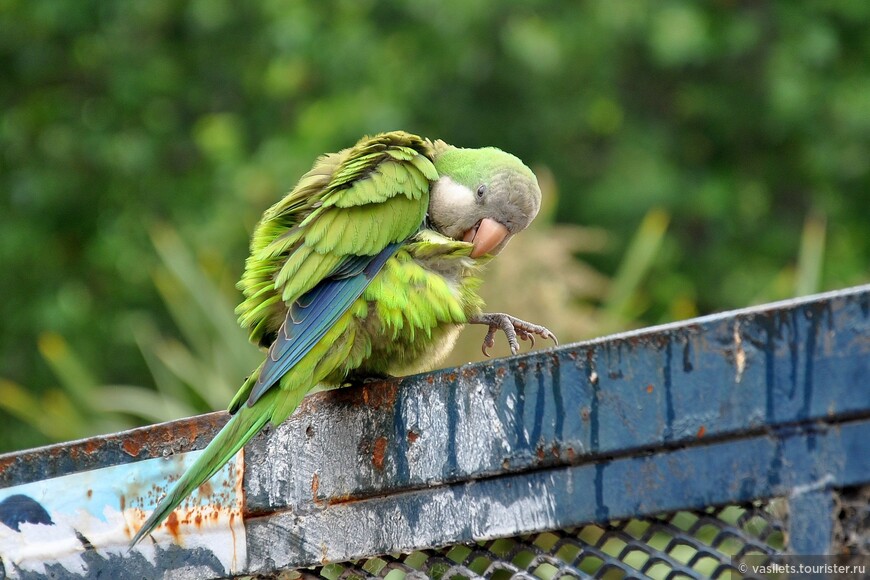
{"points": [[159, 440], [762, 402], [729, 375]]}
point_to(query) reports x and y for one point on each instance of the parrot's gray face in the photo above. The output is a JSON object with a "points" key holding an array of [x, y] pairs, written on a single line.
{"points": [[487, 213]]}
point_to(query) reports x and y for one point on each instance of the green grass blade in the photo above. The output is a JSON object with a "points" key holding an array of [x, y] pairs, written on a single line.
{"points": [[636, 263], [811, 258]]}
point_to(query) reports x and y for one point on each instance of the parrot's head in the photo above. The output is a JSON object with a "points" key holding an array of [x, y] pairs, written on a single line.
{"points": [[483, 196]]}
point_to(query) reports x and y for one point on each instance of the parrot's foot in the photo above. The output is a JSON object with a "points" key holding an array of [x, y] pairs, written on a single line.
{"points": [[377, 379], [359, 380], [514, 329]]}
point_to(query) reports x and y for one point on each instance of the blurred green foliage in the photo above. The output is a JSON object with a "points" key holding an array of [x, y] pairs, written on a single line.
{"points": [[722, 147]]}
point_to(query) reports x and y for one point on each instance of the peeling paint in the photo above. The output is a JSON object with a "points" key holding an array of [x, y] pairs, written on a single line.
{"points": [[739, 353], [98, 511]]}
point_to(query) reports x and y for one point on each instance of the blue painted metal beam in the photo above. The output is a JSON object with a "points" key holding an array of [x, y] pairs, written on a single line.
{"points": [[773, 465], [723, 376], [762, 402]]}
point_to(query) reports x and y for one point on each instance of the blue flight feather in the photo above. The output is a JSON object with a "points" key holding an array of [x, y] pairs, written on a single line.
{"points": [[313, 314]]}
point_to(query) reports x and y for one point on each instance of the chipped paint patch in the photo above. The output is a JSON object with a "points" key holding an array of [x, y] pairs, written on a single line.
{"points": [[739, 353], [57, 521], [379, 452]]}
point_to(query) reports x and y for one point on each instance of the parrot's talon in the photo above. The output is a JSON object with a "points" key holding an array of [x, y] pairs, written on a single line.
{"points": [[513, 328], [489, 340]]}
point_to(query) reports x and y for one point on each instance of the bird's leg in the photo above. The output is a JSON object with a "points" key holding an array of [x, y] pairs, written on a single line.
{"points": [[514, 329]]}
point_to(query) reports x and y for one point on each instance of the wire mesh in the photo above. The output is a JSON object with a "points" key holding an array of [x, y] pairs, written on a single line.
{"points": [[851, 535], [684, 544]]}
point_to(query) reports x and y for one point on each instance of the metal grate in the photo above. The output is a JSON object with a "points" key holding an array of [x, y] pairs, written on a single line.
{"points": [[685, 544], [851, 537]]}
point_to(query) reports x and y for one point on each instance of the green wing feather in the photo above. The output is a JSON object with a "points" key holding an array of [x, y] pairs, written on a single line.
{"points": [[354, 202], [318, 248]]}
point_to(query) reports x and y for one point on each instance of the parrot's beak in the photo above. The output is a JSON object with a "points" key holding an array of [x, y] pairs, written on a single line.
{"points": [[485, 236]]}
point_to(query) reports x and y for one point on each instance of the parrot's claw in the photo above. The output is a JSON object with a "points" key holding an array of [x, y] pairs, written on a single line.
{"points": [[514, 329]]}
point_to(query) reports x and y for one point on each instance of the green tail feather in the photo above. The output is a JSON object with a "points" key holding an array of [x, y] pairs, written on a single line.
{"points": [[246, 423]]}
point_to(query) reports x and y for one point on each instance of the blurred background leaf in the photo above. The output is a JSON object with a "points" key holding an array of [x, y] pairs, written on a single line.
{"points": [[696, 157]]}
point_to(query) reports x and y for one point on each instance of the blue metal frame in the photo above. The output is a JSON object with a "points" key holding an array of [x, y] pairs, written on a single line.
{"points": [[764, 402]]}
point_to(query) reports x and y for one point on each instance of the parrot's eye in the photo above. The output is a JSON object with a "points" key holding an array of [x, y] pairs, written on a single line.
{"points": [[481, 191]]}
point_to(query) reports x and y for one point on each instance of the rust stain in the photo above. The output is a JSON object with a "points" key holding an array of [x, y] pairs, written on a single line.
{"points": [[233, 533], [138, 516], [131, 447], [660, 340], [90, 493], [649, 388], [382, 395], [540, 453], [7, 462], [315, 485], [412, 436], [339, 499], [155, 439], [701, 431], [221, 508], [379, 452], [141, 442], [570, 453], [172, 524], [123, 500], [206, 488], [584, 413], [501, 372]]}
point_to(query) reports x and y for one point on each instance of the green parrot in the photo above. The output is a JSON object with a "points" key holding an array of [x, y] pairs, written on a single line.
{"points": [[370, 266]]}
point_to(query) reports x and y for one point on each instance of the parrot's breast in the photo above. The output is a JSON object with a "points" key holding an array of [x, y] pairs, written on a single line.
{"points": [[417, 305]]}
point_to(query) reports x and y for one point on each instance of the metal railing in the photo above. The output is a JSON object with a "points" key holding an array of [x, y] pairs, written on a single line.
{"points": [[672, 451]]}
